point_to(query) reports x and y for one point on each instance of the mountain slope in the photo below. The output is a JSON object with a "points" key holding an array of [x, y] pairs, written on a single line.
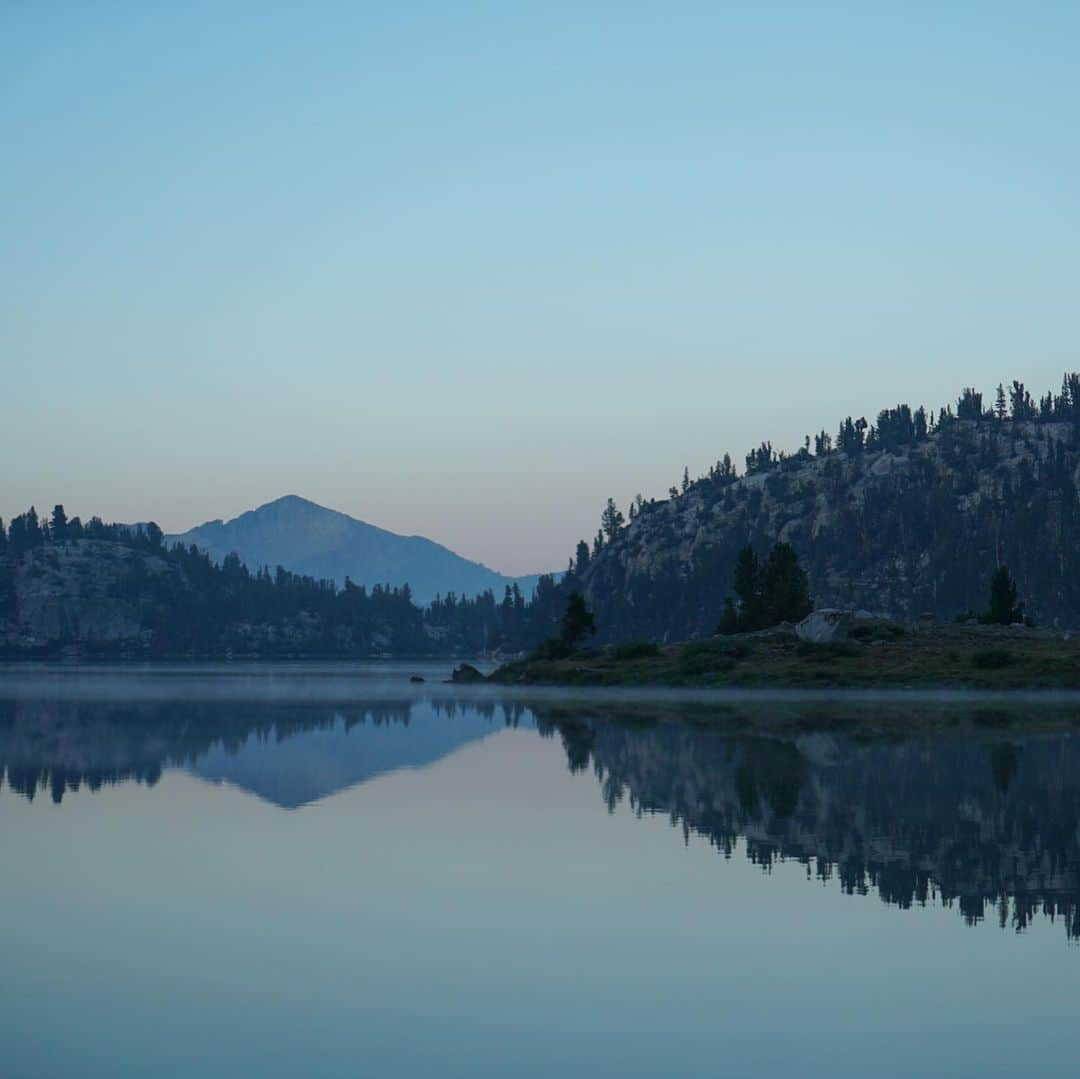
{"points": [[913, 526], [312, 540]]}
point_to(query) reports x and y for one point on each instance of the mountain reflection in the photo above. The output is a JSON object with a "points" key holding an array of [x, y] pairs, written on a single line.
{"points": [[289, 754], [979, 811]]}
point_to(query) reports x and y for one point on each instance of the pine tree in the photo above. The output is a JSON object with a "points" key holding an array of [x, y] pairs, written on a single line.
{"points": [[1020, 402], [59, 524], [611, 520], [33, 528], [969, 405], [851, 437], [729, 620], [582, 562], [768, 594], [1003, 610], [1000, 408], [747, 585], [577, 622], [17, 542], [785, 591]]}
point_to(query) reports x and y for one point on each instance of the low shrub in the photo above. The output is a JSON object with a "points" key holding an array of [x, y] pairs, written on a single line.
{"points": [[552, 648], [705, 663], [991, 717], [877, 631], [717, 646], [636, 650], [992, 659], [826, 651]]}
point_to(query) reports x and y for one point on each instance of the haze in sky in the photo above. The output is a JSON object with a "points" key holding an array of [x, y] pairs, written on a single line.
{"points": [[467, 270]]}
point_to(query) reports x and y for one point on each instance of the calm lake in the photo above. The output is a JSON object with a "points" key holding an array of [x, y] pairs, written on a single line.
{"points": [[331, 871]]}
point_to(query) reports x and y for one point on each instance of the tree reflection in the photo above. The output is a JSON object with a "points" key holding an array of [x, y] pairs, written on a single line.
{"points": [[977, 821], [59, 746], [980, 816]]}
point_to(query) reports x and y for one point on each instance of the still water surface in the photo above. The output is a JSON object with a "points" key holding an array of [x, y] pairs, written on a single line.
{"points": [[333, 872]]}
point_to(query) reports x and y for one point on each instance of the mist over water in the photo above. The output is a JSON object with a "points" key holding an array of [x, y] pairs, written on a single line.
{"points": [[333, 871]]}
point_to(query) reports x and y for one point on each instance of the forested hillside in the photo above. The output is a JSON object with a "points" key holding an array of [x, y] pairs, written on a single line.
{"points": [[119, 590], [904, 516]]}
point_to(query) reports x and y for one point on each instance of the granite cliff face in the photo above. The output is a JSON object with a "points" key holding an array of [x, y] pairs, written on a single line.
{"points": [[906, 530], [74, 591], [99, 597]]}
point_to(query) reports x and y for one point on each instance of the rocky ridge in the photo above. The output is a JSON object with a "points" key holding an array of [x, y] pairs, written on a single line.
{"points": [[905, 531]]}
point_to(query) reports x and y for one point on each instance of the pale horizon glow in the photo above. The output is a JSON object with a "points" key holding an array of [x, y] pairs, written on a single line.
{"points": [[466, 272]]}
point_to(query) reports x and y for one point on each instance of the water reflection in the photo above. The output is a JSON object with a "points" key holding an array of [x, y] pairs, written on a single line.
{"points": [[287, 753], [977, 810], [987, 821]]}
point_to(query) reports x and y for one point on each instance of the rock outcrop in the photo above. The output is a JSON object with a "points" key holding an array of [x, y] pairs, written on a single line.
{"points": [[825, 625], [916, 528], [466, 675], [103, 598], [74, 591]]}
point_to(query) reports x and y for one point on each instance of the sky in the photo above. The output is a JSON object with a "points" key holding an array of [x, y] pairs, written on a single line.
{"points": [[467, 270]]}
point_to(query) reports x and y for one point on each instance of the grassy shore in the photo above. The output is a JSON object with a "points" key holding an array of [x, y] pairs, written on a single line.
{"points": [[881, 656]]}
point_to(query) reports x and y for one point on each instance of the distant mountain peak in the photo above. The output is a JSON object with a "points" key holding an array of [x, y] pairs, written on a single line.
{"points": [[311, 539], [298, 501]]}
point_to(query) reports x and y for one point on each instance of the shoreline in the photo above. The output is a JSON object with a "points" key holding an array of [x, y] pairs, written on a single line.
{"points": [[886, 657]]}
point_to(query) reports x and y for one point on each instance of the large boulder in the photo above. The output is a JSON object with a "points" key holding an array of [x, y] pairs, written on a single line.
{"points": [[828, 624], [466, 674]]}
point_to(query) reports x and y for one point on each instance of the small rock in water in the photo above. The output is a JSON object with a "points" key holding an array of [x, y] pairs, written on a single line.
{"points": [[416, 678], [466, 674]]}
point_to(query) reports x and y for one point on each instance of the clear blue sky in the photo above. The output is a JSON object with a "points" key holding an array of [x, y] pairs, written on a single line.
{"points": [[466, 270]]}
